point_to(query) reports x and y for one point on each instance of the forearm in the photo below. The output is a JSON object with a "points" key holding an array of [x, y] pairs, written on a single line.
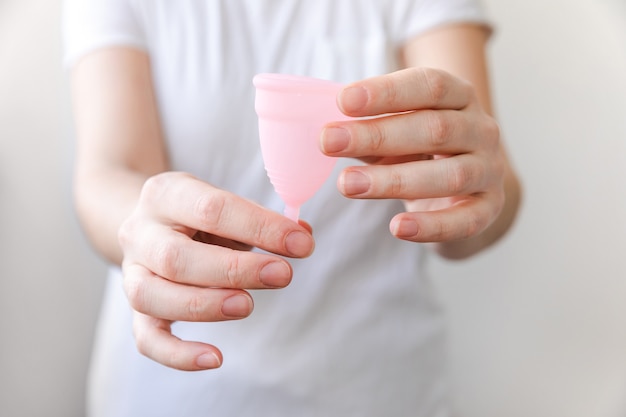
{"points": [[119, 141]]}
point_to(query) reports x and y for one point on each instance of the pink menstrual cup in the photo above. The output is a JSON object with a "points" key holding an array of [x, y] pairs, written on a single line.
{"points": [[292, 111]]}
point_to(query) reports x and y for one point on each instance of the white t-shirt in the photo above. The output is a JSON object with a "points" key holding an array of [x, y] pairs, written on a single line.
{"points": [[358, 332]]}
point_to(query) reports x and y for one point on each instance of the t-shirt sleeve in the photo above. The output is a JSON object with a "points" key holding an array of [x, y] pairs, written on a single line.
{"points": [[417, 17], [88, 25]]}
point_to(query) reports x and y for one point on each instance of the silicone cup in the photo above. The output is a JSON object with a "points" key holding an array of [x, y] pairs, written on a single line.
{"points": [[292, 112]]}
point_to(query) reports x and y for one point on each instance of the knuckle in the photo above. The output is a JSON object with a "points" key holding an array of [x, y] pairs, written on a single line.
{"points": [[474, 224], [168, 258], [141, 340], [491, 130], [397, 184], [437, 87], [440, 230], [125, 233], [498, 196], [195, 308], [375, 136], [459, 176], [389, 90], [145, 345], [135, 289], [153, 187], [468, 89], [499, 204], [234, 277], [260, 229], [439, 128], [499, 169], [478, 177], [209, 208], [176, 359]]}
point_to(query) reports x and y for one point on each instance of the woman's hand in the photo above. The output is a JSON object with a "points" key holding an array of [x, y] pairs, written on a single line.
{"points": [[431, 144], [186, 257]]}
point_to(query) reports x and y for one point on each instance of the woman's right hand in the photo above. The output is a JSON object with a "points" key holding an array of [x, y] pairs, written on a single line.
{"points": [[187, 258], [183, 245]]}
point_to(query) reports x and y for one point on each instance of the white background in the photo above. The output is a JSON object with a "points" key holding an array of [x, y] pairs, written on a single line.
{"points": [[537, 324]]}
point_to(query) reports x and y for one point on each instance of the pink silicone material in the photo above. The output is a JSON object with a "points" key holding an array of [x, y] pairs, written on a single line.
{"points": [[292, 111]]}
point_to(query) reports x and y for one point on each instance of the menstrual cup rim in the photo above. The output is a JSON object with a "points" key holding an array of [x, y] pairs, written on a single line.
{"points": [[294, 83]]}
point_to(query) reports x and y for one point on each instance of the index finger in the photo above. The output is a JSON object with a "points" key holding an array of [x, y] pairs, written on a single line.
{"points": [[197, 205], [405, 90]]}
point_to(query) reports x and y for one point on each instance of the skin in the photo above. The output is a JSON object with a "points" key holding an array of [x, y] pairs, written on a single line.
{"points": [[443, 155], [184, 245]]}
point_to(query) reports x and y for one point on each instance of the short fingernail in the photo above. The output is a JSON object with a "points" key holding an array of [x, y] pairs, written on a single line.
{"points": [[335, 139], [208, 361], [352, 99], [405, 228], [354, 183], [275, 274], [237, 306], [299, 244]]}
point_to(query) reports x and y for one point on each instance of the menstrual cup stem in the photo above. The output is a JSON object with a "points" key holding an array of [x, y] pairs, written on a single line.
{"points": [[292, 213]]}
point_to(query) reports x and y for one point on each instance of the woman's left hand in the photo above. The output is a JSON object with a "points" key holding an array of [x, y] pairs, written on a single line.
{"points": [[426, 140]]}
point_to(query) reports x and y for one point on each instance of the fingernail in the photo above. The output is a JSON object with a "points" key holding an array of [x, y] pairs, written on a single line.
{"points": [[352, 99], [275, 274], [405, 228], [208, 361], [354, 183], [237, 306], [335, 139], [299, 244]]}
